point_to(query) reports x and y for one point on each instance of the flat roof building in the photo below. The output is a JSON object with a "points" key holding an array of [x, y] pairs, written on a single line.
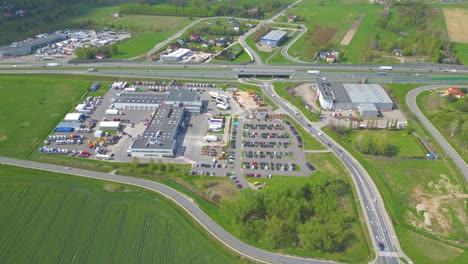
{"points": [[176, 55], [29, 46], [188, 99], [351, 96], [274, 38], [159, 138], [139, 101]]}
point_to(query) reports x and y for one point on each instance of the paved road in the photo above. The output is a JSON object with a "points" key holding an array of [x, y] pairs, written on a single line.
{"points": [[378, 222], [411, 101], [185, 202], [284, 50]]}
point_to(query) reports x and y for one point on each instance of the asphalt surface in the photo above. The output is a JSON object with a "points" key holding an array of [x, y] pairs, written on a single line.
{"points": [[411, 101], [183, 201], [378, 222]]}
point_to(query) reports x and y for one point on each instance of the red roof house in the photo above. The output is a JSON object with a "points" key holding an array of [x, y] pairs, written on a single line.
{"points": [[455, 91]]}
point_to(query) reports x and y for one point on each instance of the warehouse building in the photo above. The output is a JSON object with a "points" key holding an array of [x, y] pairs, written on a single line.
{"points": [[188, 99], [139, 101], [274, 38], [159, 138], [177, 55], [353, 96], [152, 101], [30, 46]]}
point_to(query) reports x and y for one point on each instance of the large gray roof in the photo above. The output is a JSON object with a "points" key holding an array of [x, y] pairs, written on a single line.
{"points": [[333, 91], [181, 96], [141, 98], [367, 93], [275, 35]]}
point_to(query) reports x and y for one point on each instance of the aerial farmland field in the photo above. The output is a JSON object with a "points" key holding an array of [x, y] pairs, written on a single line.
{"points": [[54, 218]]}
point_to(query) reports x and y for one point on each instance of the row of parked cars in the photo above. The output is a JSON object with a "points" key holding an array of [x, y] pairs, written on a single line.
{"points": [[236, 182], [265, 165]]}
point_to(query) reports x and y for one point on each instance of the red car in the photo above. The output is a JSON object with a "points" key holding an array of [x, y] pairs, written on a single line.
{"points": [[239, 186]]}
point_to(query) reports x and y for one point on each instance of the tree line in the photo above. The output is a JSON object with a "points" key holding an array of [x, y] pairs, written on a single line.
{"points": [[89, 53], [306, 217]]}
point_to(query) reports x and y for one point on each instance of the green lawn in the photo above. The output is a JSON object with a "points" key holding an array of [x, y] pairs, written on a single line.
{"points": [[297, 101], [139, 44], [462, 52], [442, 115], [31, 107], [56, 218], [405, 181]]}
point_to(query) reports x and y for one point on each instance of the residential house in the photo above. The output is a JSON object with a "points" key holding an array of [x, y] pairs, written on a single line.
{"points": [[331, 58], [181, 42], [397, 52], [100, 56], [454, 91], [292, 18], [195, 37]]}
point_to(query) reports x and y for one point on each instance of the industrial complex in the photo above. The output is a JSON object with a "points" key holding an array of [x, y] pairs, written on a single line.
{"points": [[368, 99]]}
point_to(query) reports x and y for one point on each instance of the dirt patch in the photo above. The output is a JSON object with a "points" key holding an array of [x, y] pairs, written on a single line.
{"points": [[456, 20], [432, 206], [111, 187], [350, 34], [321, 36], [217, 191], [264, 48], [246, 100], [306, 92]]}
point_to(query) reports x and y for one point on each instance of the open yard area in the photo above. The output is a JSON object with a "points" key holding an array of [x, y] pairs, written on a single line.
{"points": [[31, 107], [456, 20], [54, 218]]}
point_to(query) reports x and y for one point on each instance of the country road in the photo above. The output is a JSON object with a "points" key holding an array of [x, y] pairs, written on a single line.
{"points": [[183, 201], [411, 102]]}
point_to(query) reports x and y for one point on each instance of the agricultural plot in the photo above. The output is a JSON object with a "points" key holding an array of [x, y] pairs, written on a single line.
{"points": [[52, 218], [328, 24], [31, 107], [456, 20]]}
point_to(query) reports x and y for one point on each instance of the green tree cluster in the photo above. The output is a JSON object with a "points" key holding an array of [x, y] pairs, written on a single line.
{"points": [[304, 217], [373, 144], [90, 52]]}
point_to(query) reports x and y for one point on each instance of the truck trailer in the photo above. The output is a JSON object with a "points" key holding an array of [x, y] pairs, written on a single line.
{"points": [[386, 68], [112, 112]]}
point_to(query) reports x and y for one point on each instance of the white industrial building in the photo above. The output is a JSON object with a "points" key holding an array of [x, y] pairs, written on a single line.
{"points": [[74, 117], [177, 55], [159, 138], [109, 125], [190, 100], [354, 97]]}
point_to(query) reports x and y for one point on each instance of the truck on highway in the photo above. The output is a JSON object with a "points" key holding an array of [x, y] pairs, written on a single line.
{"points": [[386, 68], [313, 72], [52, 64]]}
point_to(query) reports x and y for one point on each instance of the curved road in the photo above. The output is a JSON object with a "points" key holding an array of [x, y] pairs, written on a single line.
{"points": [[378, 222], [185, 202], [284, 50], [411, 101]]}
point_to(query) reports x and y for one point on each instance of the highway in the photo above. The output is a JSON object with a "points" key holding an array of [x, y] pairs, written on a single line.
{"points": [[411, 101], [183, 201], [378, 222]]}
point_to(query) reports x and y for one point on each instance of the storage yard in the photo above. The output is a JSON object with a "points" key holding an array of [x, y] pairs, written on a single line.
{"points": [[221, 133]]}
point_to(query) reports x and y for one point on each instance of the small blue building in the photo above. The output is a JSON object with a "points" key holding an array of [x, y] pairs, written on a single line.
{"points": [[274, 38]]}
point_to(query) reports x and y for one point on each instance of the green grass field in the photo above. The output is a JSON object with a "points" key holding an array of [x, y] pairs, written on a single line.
{"points": [[442, 116], [51, 218], [31, 107], [406, 180], [334, 14]]}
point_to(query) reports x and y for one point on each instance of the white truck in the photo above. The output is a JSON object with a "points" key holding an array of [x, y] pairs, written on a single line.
{"points": [[313, 72], [210, 138], [386, 68], [52, 64], [112, 112]]}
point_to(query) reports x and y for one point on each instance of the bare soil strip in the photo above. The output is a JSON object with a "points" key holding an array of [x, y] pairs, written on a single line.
{"points": [[350, 34]]}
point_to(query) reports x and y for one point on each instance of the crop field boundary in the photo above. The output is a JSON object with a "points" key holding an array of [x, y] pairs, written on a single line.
{"points": [[456, 20], [350, 34]]}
